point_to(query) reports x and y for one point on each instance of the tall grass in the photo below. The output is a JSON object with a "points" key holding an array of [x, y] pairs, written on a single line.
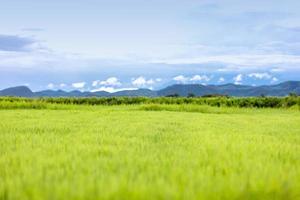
{"points": [[251, 102], [31, 104], [186, 108], [23, 105], [124, 152]]}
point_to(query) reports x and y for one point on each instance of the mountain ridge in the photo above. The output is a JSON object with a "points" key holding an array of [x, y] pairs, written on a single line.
{"points": [[281, 89]]}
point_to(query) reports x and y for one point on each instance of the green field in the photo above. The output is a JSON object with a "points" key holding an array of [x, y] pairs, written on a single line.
{"points": [[149, 152]]}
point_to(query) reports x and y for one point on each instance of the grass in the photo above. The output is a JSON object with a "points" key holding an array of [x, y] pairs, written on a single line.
{"points": [[149, 152], [241, 102]]}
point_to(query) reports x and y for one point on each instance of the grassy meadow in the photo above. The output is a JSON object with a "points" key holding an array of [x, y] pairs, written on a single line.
{"points": [[148, 151]]}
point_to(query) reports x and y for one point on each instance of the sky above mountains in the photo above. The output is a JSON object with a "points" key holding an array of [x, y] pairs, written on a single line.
{"points": [[126, 44]]}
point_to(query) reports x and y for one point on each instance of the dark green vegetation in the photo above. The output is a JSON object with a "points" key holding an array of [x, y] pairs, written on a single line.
{"points": [[148, 151], [250, 102], [192, 90]]}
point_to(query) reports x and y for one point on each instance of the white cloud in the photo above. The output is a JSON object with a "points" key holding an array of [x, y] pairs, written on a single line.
{"points": [[195, 78], [95, 83], [200, 78], [238, 79], [158, 79], [181, 79], [111, 81], [274, 79], [62, 85], [260, 76], [50, 86], [150, 82], [79, 85], [221, 80], [111, 89], [142, 82]]}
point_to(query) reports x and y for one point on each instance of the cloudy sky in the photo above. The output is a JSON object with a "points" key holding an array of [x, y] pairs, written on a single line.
{"points": [[126, 44]]}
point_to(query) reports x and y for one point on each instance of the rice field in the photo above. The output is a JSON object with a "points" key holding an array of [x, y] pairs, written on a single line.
{"points": [[73, 152]]}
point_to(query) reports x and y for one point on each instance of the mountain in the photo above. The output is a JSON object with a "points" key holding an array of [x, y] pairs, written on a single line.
{"points": [[185, 90], [98, 94], [136, 93], [51, 93], [282, 89], [74, 93], [21, 91]]}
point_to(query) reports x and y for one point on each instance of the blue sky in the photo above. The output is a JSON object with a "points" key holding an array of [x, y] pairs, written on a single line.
{"points": [[126, 44]]}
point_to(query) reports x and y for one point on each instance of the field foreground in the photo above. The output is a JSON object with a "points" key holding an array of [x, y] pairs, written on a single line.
{"points": [[136, 152]]}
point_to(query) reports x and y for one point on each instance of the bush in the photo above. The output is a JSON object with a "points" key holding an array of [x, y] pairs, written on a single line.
{"points": [[249, 102]]}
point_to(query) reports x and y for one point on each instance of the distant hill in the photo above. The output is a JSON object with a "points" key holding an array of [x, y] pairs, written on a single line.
{"points": [[139, 92], [74, 93], [282, 89], [185, 90], [21, 91]]}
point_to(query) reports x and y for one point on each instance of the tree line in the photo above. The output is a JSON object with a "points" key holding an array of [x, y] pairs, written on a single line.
{"points": [[212, 100]]}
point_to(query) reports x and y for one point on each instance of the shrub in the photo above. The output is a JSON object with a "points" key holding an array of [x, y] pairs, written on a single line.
{"points": [[256, 102]]}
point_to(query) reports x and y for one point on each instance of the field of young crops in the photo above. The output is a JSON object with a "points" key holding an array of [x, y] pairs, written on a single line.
{"points": [[152, 151]]}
